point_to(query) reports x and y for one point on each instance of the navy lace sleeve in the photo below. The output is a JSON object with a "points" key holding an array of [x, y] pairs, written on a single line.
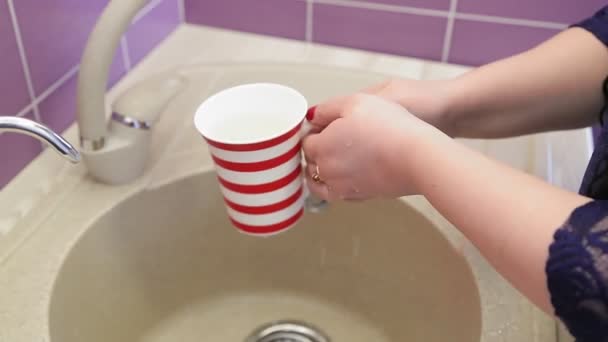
{"points": [[577, 273], [597, 24], [577, 267]]}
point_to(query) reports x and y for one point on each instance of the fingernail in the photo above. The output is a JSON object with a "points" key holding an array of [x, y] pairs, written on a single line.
{"points": [[310, 114]]}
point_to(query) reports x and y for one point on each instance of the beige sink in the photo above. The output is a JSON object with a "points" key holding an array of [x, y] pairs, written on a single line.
{"points": [[166, 265]]}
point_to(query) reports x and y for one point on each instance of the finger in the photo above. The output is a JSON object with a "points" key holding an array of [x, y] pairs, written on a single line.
{"points": [[312, 169], [315, 129], [308, 159], [320, 187], [310, 147], [319, 190], [327, 112]]}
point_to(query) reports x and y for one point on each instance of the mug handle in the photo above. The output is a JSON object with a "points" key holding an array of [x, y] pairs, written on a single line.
{"points": [[312, 203]]}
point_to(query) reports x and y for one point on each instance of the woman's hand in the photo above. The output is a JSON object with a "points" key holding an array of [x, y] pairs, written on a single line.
{"points": [[360, 147], [428, 100]]}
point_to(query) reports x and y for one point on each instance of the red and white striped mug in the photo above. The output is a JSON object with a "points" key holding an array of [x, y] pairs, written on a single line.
{"points": [[254, 132]]}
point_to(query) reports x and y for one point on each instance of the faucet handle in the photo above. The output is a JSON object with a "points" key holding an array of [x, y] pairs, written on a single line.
{"points": [[141, 105]]}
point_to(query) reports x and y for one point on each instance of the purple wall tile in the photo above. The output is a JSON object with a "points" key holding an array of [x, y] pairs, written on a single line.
{"points": [[396, 33], [54, 34], [562, 11], [432, 4], [284, 18], [476, 43], [13, 90], [145, 34], [58, 111], [17, 150]]}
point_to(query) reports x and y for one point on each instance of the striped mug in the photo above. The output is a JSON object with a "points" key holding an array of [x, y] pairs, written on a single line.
{"points": [[254, 133]]}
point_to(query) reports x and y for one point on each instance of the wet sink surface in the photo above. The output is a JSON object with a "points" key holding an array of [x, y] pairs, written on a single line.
{"points": [[166, 265]]}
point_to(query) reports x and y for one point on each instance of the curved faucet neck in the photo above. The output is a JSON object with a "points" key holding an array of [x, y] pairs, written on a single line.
{"points": [[95, 68], [40, 132]]}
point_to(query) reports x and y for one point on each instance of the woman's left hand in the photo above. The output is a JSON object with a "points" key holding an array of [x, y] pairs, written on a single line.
{"points": [[362, 148]]}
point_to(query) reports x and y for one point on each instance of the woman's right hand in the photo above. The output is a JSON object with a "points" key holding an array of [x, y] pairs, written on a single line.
{"points": [[428, 100], [364, 146]]}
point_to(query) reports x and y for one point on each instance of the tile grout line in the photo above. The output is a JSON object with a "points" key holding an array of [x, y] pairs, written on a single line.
{"points": [[24, 63], [385, 7], [444, 14], [57, 84], [449, 31], [50, 90], [309, 20], [181, 9], [510, 21], [126, 56], [53, 88], [26, 110], [145, 10]]}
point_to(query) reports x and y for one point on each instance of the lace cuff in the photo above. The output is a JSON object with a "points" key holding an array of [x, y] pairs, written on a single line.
{"points": [[577, 272]]}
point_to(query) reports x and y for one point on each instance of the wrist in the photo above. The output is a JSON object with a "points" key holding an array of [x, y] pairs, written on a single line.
{"points": [[455, 104], [411, 156], [430, 100]]}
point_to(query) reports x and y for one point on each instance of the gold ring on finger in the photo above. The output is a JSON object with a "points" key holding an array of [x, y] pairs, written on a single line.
{"points": [[316, 176]]}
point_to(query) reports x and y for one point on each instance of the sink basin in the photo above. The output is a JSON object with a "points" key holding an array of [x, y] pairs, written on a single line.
{"points": [[166, 265]]}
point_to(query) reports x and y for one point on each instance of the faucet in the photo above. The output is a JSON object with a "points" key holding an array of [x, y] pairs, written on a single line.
{"points": [[42, 133], [115, 152]]}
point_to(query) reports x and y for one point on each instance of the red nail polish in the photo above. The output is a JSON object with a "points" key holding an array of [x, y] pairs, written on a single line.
{"points": [[310, 114]]}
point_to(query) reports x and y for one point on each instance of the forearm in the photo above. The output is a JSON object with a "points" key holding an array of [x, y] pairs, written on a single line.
{"points": [[557, 85], [510, 216]]}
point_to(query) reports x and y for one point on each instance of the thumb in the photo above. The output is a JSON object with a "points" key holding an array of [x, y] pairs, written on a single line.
{"points": [[325, 113]]}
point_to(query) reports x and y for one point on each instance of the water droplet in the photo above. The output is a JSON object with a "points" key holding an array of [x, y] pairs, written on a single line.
{"points": [[323, 256], [356, 246]]}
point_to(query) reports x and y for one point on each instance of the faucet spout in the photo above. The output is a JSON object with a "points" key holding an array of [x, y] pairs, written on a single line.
{"points": [[42, 133], [95, 69]]}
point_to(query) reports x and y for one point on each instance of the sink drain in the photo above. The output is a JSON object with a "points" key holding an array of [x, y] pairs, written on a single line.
{"points": [[287, 332]]}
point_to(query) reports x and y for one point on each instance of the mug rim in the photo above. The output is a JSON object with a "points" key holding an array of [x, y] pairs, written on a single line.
{"points": [[250, 144]]}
